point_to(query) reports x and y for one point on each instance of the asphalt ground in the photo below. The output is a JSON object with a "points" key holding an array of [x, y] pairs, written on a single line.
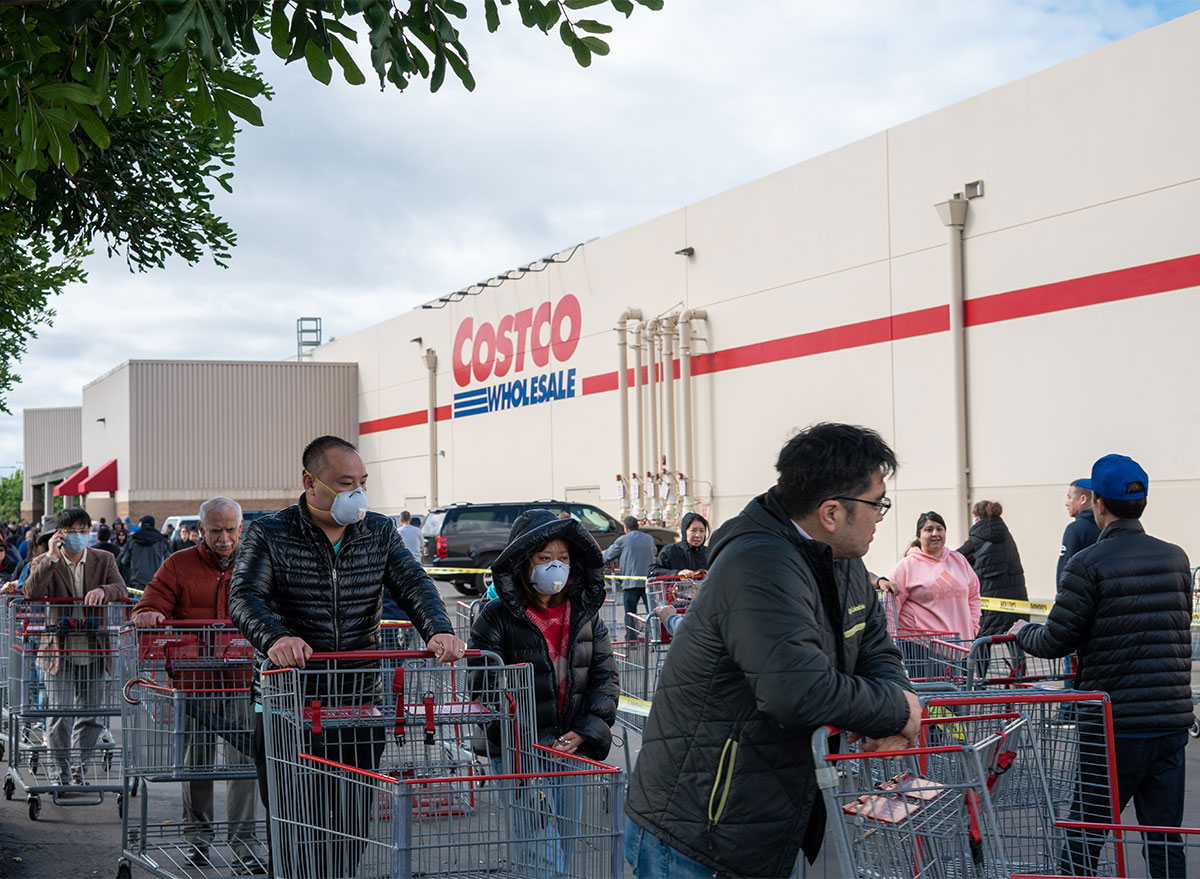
{"points": [[85, 841]]}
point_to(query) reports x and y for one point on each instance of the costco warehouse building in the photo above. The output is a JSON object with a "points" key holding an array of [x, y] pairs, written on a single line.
{"points": [[1006, 289]]}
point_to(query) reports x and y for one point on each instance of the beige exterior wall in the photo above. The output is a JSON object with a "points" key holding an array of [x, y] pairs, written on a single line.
{"points": [[1089, 168], [52, 444], [183, 431]]}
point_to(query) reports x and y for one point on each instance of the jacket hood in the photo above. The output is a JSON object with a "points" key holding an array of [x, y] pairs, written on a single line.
{"points": [[991, 529], [532, 530], [688, 519], [147, 536]]}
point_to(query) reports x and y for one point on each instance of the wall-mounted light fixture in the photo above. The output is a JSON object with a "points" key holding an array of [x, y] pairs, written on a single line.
{"points": [[686, 251]]}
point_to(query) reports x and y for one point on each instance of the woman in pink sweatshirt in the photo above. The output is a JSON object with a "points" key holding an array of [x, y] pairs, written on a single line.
{"points": [[934, 587]]}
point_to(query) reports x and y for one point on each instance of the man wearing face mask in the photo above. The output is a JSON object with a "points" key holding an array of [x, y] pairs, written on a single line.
{"points": [[311, 578], [76, 665], [193, 584]]}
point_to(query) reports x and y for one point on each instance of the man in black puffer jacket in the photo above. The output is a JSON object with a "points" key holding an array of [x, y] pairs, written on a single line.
{"points": [[310, 578], [589, 704], [686, 556], [1124, 604], [785, 636]]}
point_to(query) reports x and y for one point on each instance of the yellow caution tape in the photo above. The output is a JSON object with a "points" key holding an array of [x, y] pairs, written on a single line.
{"points": [[630, 705], [430, 570], [1040, 608]]}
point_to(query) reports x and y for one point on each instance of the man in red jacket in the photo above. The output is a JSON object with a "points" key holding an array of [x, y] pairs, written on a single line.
{"points": [[193, 584]]}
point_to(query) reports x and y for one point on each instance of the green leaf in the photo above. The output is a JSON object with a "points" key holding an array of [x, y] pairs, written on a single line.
{"points": [[175, 79], [92, 125], [67, 91], [593, 27], [551, 14], [566, 34], [439, 71], [203, 108], [237, 82], [651, 4], [124, 101], [583, 54], [175, 30], [318, 64], [26, 186], [341, 30], [623, 6], [493, 15], [12, 68], [583, 4], [281, 45], [453, 7], [239, 106], [461, 71], [350, 70], [141, 84], [596, 44]]}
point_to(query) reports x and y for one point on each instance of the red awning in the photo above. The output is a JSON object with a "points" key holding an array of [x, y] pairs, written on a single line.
{"points": [[70, 485], [104, 479]]}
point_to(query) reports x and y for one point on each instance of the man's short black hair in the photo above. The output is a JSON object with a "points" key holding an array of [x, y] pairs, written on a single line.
{"points": [[70, 517], [1079, 489], [1126, 509], [313, 458], [630, 522], [829, 460], [103, 533]]}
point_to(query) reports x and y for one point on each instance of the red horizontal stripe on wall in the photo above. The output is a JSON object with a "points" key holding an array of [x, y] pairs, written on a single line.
{"points": [[1158, 277], [1155, 277]]}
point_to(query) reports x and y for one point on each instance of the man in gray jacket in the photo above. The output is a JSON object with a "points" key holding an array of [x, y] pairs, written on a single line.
{"points": [[785, 636], [636, 551]]}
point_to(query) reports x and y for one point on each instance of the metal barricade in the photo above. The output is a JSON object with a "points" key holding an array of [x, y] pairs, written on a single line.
{"points": [[188, 719], [63, 686], [931, 811]]}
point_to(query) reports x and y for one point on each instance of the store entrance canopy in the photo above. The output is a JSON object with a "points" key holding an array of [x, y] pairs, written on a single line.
{"points": [[70, 485], [104, 479]]}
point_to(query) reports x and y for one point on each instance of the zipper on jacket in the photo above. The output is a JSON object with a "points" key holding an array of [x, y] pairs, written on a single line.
{"points": [[337, 617], [717, 806]]}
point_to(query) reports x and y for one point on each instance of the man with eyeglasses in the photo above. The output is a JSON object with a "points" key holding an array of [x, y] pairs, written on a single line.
{"points": [[785, 636], [76, 664]]}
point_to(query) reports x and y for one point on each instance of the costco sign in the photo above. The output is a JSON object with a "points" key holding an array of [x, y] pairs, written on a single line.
{"points": [[483, 351]]}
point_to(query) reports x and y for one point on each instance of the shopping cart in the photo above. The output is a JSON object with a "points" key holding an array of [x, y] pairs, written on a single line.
{"points": [[401, 717], [62, 688], [188, 718], [1074, 737], [1127, 840], [561, 816], [930, 811], [998, 662]]}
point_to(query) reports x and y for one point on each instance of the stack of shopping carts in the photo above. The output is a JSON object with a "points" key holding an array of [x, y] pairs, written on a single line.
{"points": [[384, 763], [62, 691]]}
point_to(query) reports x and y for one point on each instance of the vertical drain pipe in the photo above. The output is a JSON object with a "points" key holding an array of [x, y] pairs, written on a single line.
{"points": [[652, 344], [953, 214], [430, 358], [623, 394], [685, 384], [639, 421], [670, 462]]}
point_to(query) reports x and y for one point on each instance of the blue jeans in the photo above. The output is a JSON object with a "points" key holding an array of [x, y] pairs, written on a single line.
{"points": [[544, 817], [651, 858]]}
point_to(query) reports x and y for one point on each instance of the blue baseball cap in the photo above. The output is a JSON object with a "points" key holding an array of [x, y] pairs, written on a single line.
{"points": [[1118, 478]]}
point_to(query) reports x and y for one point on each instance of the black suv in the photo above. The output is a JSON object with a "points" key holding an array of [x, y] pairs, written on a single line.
{"points": [[472, 535]]}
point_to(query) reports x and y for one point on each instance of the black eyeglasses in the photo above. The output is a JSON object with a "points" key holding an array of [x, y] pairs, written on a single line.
{"points": [[883, 506]]}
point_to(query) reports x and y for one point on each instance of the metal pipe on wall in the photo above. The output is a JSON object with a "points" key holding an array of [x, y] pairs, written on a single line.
{"points": [[652, 346], [639, 421], [623, 395], [430, 358], [953, 214], [685, 384], [668, 337]]}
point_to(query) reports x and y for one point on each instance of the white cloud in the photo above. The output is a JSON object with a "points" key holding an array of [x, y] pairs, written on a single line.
{"points": [[356, 205]]}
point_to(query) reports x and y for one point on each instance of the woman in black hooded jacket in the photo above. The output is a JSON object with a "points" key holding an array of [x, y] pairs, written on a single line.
{"points": [[575, 678], [687, 555], [993, 554]]}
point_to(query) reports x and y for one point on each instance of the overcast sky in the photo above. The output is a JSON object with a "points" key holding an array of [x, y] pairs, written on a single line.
{"points": [[356, 205]]}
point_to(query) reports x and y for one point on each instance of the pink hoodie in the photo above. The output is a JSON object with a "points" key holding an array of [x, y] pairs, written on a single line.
{"points": [[937, 593]]}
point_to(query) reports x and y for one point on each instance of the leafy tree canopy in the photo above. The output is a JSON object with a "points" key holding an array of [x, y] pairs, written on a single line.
{"points": [[118, 117]]}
